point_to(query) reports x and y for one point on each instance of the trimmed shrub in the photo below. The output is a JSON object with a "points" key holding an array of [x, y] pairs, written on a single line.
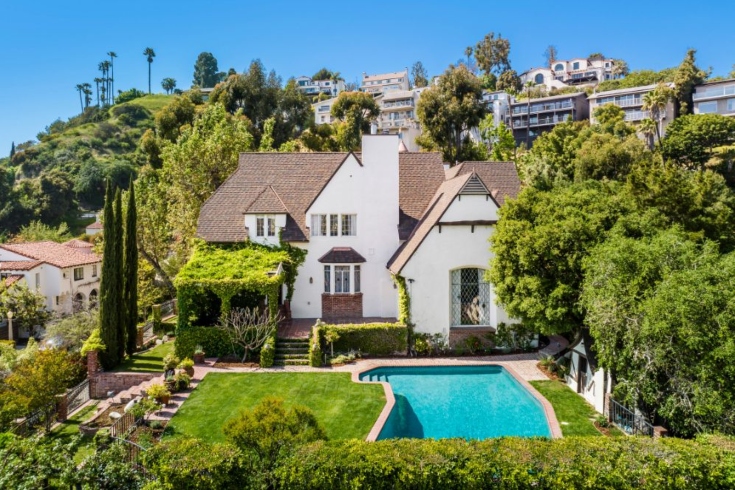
{"points": [[268, 351], [315, 349], [595, 462], [376, 339], [214, 341]]}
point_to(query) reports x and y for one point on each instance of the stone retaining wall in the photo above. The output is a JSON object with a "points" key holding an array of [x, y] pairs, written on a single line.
{"points": [[102, 383]]}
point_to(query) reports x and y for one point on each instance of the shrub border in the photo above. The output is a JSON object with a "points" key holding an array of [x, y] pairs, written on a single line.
{"points": [[551, 419]]}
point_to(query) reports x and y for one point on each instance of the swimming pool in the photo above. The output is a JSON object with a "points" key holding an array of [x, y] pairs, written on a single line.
{"points": [[471, 402]]}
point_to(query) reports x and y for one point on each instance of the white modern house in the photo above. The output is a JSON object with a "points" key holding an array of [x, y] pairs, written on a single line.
{"points": [[323, 111], [631, 101], [365, 217], [385, 82], [316, 87], [715, 98], [398, 115], [68, 274]]}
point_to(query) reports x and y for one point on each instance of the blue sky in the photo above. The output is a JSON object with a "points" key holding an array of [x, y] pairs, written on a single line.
{"points": [[47, 47]]}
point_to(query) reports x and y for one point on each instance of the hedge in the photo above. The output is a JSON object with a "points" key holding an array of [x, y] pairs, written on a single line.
{"points": [[315, 350], [601, 462], [268, 351], [376, 339], [214, 341]]}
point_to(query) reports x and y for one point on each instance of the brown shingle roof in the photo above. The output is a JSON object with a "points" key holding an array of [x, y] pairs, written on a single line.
{"points": [[53, 253], [290, 182], [297, 178], [19, 265], [342, 255], [500, 178]]}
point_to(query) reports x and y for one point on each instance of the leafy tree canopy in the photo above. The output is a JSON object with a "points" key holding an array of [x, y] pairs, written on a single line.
{"points": [[206, 71]]}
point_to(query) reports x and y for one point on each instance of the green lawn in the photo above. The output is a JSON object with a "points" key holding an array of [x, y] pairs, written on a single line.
{"points": [[150, 361], [69, 429], [574, 414], [345, 409]]}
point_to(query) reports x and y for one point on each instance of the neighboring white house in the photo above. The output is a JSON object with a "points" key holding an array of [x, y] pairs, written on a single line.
{"points": [[315, 87], [385, 82], [577, 71], [94, 228], [323, 111], [585, 378], [631, 101], [68, 274], [715, 98], [365, 217], [398, 115]]}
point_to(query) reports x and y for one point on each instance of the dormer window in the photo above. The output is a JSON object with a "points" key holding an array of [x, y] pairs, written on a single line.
{"points": [[265, 225]]}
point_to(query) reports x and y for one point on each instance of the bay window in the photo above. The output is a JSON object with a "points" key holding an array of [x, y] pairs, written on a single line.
{"points": [[342, 279], [346, 279]]}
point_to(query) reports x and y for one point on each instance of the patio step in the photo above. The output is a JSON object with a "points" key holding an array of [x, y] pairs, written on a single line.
{"points": [[291, 356], [291, 362]]}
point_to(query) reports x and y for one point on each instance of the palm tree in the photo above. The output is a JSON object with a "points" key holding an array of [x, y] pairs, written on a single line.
{"points": [[112, 56], [149, 54], [103, 66], [168, 84], [80, 88], [97, 81], [87, 89], [648, 129], [468, 52], [655, 102]]}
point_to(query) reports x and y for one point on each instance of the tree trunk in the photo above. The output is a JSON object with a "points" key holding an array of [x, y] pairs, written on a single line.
{"points": [[154, 263]]}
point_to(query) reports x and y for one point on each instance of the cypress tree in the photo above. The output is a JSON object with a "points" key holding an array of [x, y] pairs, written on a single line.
{"points": [[108, 296], [12, 149], [130, 273], [119, 294]]}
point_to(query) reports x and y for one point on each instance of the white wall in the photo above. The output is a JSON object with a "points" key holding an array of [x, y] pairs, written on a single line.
{"points": [[251, 225], [371, 192], [596, 387], [440, 253]]}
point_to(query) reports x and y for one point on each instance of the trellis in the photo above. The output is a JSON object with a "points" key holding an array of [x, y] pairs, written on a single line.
{"points": [[227, 270]]}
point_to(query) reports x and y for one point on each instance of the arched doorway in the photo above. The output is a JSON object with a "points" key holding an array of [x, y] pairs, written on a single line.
{"points": [[78, 303], [93, 299], [470, 297]]}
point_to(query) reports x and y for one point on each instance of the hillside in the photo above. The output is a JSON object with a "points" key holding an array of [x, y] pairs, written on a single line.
{"points": [[65, 171]]}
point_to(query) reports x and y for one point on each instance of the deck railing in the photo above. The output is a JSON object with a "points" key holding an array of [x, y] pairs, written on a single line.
{"points": [[628, 421]]}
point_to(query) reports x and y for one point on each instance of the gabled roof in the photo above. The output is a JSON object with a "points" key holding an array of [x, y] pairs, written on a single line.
{"points": [[500, 178], [19, 265], [295, 178], [342, 255], [74, 243], [53, 253], [290, 182], [267, 202], [588, 350]]}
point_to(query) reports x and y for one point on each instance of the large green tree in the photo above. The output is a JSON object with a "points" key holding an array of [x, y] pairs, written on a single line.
{"points": [[539, 245], [687, 76], [698, 141], [356, 110], [206, 71], [448, 111], [118, 254], [168, 84], [419, 75], [492, 54], [130, 273]]}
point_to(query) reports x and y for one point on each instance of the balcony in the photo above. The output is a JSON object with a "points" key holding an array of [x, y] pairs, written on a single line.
{"points": [[713, 92], [633, 116], [535, 108], [541, 121]]}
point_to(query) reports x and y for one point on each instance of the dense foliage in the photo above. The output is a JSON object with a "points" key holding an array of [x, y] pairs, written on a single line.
{"points": [[375, 339]]}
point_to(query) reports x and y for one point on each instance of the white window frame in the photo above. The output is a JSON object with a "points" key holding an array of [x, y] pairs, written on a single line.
{"points": [[730, 105], [708, 105], [331, 278], [260, 226], [271, 225], [351, 229], [342, 283]]}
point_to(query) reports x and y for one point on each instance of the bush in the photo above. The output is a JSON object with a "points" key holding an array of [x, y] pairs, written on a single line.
{"points": [[377, 339], [268, 351], [515, 336], [184, 464], [170, 362], [182, 381], [214, 341], [426, 344], [577, 462], [158, 392], [315, 350]]}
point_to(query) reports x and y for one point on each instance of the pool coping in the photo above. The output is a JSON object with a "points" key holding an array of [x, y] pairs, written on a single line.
{"points": [[390, 399]]}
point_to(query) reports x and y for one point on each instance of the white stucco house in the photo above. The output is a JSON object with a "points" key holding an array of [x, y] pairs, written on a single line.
{"points": [[365, 217], [585, 377], [67, 274]]}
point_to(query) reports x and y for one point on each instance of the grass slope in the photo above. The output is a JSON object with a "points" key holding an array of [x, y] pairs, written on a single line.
{"points": [[346, 410], [150, 361], [70, 429], [574, 414]]}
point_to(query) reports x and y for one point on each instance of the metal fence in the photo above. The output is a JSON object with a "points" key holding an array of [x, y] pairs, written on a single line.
{"points": [[147, 331], [123, 425], [168, 308], [77, 396], [41, 418], [133, 454], [628, 421]]}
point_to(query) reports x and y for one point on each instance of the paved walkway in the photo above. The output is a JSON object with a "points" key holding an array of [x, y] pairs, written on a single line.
{"points": [[523, 364]]}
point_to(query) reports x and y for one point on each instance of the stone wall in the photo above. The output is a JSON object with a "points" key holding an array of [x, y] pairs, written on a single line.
{"points": [[102, 383], [336, 306]]}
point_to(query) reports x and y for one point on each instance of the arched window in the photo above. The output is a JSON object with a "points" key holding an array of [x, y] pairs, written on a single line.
{"points": [[558, 67], [539, 79], [470, 297], [93, 299]]}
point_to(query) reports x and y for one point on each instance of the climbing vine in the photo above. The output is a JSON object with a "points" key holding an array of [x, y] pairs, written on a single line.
{"points": [[404, 301]]}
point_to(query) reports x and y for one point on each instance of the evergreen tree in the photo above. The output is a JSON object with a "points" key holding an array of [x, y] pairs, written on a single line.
{"points": [[130, 273], [119, 280], [108, 293], [12, 149]]}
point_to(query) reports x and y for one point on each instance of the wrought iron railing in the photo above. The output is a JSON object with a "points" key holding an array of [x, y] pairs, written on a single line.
{"points": [[123, 425], [43, 417], [168, 308], [628, 421], [133, 454], [77, 396]]}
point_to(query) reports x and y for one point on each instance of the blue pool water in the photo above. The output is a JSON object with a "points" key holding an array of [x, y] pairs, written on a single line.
{"points": [[471, 402]]}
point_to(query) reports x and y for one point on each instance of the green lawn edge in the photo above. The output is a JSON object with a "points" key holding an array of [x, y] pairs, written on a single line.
{"points": [[150, 361]]}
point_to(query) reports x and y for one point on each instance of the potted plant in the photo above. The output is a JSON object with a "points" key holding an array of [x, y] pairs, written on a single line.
{"points": [[199, 355], [188, 366], [182, 381], [159, 393], [170, 383], [170, 362]]}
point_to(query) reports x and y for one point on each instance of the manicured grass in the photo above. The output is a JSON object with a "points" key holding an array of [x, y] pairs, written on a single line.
{"points": [[346, 410], [70, 429], [150, 361], [574, 414]]}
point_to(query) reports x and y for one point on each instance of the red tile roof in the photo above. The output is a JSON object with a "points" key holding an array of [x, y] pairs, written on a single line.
{"points": [[10, 280], [19, 265], [74, 243], [53, 253], [95, 226]]}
